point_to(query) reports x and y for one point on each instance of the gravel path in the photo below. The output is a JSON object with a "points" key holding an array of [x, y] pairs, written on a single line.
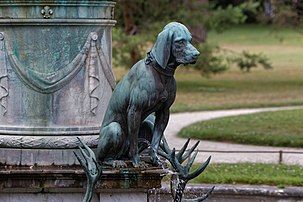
{"points": [[181, 120]]}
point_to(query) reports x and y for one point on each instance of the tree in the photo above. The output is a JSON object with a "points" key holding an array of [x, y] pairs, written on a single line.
{"points": [[139, 22]]}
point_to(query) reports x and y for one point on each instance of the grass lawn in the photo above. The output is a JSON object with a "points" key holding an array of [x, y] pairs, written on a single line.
{"points": [[248, 173], [252, 34], [235, 89], [282, 128], [280, 86]]}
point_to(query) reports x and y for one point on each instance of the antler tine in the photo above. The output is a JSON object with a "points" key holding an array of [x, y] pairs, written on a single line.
{"points": [[205, 196], [191, 160], [199, 170], [182, 150], [163, 154], [99, 167], [208, 193], [174, 162], [190, 151], [164, 146], [84, 154], [90, 152], [79, 159], [202, 198]]}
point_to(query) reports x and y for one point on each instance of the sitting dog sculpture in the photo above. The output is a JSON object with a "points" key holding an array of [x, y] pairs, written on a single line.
{"points": [[148, 88]]}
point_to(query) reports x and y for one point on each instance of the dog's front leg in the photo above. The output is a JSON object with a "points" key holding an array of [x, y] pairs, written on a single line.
{"points": [[133, 122], [161, 122]]}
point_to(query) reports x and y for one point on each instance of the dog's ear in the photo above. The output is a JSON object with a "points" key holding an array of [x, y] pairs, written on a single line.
{"points": [[162, 48]]}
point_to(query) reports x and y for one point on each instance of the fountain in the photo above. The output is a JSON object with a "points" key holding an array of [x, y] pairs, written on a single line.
{"points": [[56, 82], [56, 78]]}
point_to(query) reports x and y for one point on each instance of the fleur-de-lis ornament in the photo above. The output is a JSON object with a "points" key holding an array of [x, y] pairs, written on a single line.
{"points": [[47, 12]]}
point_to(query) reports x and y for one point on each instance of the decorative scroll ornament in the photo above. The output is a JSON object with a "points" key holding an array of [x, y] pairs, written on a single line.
{"points": [[93, 74], [3, 75], [107, 70], [96, 59]]}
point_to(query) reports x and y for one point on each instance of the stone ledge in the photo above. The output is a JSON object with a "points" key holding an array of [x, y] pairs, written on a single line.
{"points": [[225, 192], [73, 179]]}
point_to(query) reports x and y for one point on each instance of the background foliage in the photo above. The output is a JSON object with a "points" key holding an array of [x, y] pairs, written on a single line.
{"points": [[140, 21]]}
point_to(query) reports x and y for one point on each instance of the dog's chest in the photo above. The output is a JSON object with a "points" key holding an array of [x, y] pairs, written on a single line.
{"points": [[162, 91], [167, 90], [163, 96]]}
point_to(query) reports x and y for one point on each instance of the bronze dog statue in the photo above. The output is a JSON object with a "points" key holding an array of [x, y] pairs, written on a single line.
{"points": [[148, 88]]}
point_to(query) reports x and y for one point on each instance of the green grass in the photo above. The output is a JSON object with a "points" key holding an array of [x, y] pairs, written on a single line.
{"points": [[235, 89], [279, 86], [252, 34], [282, 128], [248, 173]]}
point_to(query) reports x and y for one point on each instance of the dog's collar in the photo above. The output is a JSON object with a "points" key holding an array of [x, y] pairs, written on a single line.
{"points": [[149, 60]]}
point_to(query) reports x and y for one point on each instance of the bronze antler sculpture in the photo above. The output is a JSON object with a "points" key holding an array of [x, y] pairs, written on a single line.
{"points": [[183, 172], [91, 167]]}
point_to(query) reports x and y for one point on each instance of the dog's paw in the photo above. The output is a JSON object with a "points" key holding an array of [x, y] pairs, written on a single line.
{"points": [[115, 163], [139, 164], [157, 161], [119, 164]]}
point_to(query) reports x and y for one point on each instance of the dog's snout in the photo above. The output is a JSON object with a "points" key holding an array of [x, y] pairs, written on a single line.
{"points": [[196, 54]]}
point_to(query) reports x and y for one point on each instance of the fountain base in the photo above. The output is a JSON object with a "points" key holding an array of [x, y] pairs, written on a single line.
{"points": [[64, 184]]}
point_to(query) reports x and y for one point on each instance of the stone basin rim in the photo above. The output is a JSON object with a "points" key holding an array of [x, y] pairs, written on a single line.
{"points": [[58, 3], [66, 130], [47, 142], [56, 22]]}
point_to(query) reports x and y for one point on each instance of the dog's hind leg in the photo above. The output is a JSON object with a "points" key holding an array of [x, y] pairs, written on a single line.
{"points": [[111, 145]]}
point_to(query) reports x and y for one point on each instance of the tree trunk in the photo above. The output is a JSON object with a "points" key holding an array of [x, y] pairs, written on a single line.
{"points": [[128, 7], [130, 26]]}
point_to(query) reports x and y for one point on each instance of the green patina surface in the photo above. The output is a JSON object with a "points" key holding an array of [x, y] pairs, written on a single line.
{"points": [[55, 68], [54, 8]]}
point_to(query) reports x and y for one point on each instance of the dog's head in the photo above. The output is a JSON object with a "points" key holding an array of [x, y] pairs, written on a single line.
{"points": [[173, 46]]}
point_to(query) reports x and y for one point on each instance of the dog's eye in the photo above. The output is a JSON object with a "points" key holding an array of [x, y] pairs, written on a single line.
{"points": [[180, 41]]}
